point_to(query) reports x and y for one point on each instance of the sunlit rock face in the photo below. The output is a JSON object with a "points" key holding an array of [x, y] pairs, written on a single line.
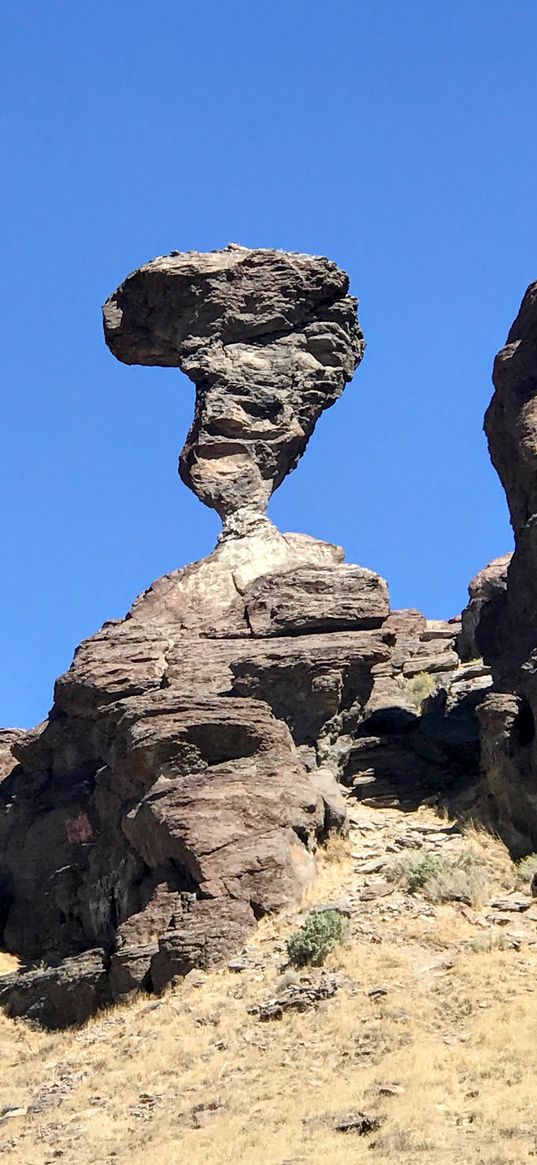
{"points": [[270, 339]]}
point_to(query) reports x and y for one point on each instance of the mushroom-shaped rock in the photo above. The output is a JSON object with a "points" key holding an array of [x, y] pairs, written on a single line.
{"points": [[270, 339]]}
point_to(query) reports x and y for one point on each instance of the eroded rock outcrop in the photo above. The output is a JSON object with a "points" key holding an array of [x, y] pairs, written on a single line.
{"points": [[177, 791], [269, 338], [180, 785], [482, 618], [198, 749], [508, 640]]}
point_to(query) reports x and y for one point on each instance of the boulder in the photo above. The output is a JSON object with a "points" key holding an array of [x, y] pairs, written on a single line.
{"points": [[482, 618]]}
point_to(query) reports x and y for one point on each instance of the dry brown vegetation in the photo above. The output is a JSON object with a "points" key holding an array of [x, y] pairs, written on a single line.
{"points": [[195, 1078]]}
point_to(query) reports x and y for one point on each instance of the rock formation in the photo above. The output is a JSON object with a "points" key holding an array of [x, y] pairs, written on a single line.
{"points": [[269, 339], [175, 793], [198, 750], [482, 619], [507, 633]]}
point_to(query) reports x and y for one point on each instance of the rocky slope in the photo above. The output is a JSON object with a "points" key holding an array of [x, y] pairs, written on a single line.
{"points": [[414, 1042]]}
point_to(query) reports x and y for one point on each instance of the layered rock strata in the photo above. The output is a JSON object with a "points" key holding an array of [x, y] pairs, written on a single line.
{"points": [[185, 774], [419, 739], [184, 777]]}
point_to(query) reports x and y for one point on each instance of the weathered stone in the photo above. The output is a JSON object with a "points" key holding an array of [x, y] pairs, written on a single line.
{"points": [[9, 738], [58, 996], [301, 996], [482, 617], [508, 767], [506, 630], [167, 802], [191, 760], [214, 930], [358, 1122], [331, 598], [269, 339]]}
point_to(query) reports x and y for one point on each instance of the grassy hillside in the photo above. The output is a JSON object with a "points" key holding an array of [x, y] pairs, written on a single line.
{"points": [[432, 1032]]}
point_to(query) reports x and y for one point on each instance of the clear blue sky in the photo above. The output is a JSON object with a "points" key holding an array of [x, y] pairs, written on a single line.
{"points": [[397, 138]]}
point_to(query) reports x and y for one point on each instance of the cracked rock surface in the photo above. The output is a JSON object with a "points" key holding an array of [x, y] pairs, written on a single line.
{"points": [[270, 339], [176, 792]]}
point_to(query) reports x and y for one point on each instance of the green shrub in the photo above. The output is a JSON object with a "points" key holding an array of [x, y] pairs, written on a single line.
{"points": [[318, 935], [525, 869], [416, 872], [460, 877], [420, 687], [487, 943]]}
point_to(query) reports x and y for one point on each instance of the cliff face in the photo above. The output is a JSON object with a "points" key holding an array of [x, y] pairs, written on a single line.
{"points": [[507, 631], [199, 749]]}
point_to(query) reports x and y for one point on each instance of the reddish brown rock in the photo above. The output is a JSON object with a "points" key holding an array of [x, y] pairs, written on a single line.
{"points": [[328, 598], [482, 618], [507, 622], [190, 762], [270, 339], [170, 800]]}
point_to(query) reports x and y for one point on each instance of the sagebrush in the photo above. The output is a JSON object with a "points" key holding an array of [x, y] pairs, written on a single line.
{"points": [[420, 687], [318, 935], [526, 868], [460, 877]]}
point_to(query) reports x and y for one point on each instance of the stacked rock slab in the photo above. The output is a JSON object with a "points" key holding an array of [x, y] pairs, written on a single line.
{"points": [[185, 775], [419, 739], [173, 796], [507, 625]]}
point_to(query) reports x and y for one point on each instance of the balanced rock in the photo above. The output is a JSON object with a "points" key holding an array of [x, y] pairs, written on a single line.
{"points": [[269, 338], [196, 750], [188, 766]]}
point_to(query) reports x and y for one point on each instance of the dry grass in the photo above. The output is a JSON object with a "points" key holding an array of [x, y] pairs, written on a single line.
{"points": [[8, 963], [468, 874], [456, 1029]]}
